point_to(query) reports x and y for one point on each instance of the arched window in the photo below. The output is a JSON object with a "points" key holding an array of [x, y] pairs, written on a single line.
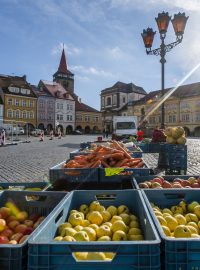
{"points": [[24, 114], [17, 114], [31, 115], [10, 114]]}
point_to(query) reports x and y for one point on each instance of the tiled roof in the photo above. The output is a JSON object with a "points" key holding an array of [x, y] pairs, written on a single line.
{"points": [[15, 81], [40, 92], [63, 65], [183, 91], [124, 87], [54, 88], [84, 108]]}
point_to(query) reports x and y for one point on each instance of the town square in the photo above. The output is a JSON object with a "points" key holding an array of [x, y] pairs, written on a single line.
{"points": [[99, 135]]}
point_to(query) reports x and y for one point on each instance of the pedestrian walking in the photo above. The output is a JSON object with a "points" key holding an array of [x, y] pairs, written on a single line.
{"points": [[42, 136], [106, 132], [51, 135], [59, 133]]}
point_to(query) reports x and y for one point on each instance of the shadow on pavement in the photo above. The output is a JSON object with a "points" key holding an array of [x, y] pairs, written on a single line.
{"points": [[70, 145]]}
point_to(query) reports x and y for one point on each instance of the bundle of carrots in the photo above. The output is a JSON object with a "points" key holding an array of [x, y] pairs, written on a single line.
{"points": [[115, 156]]}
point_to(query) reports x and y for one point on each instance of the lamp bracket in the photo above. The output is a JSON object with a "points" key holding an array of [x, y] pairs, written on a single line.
{"points": [[166, 48]]}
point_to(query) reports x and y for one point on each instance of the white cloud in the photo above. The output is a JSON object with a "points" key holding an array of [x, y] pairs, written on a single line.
{"points": [[69, 49], [91, 71], [188, 5], [115, 52]]}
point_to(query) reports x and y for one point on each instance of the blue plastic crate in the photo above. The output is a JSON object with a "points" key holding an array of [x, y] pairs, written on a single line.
{"points": [[140, 179], [175, 148], [23, 185], [44, 253], [59, 173], [144, 147], [177, 253], [14, 257], [155, 147]]}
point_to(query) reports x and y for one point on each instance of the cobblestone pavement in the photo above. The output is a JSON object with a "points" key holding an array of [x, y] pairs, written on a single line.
{"points": [[28, 162], [31, 161]]}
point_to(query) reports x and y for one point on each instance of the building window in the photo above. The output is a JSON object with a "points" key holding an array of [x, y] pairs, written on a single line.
{"points": [[50, 104], [58, 106], [61, 106], [79, 117], [31, 103], [50, 117], [10, 101], [198, 116], [69, 117], [31, 115], [185, 117], [16, 102], [59, 117], [41, 104], [108, 103], [10, 114], [87, 118], [24, 115], [71, 107], [17, 114], [172, 118], [96, 119], [114, 100], [124, 100], [23, 103]]}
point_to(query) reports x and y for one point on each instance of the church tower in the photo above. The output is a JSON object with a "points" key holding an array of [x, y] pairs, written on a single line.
{"points": [[63, 75]]}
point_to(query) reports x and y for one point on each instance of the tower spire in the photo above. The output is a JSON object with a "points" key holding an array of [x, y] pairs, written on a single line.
{"points": [[63, 64]]}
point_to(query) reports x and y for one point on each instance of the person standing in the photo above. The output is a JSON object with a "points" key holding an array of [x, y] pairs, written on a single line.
{"points": [[42, 136], [51, 135], [3, 137], [140, 134], [106, 132]]}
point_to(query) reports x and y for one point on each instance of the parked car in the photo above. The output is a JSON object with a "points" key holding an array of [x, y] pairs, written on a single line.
{"points": [[14, 131], [77, 132], [36, 132]]}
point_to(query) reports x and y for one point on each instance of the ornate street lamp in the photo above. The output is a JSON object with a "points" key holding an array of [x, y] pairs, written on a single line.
{"points": [[163, 19]]}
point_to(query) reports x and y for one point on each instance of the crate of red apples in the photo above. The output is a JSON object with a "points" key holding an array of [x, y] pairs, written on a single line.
{"points": [[172, 181]]}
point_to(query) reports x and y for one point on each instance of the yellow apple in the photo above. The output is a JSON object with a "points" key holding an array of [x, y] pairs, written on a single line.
{"points": [[134, 231], [90, 232], [196, 211], [122, 209], [104, 230], [58, 238], [192, 229], [95, 217], [126, 218], [115, 218], [104, 238], [67, 231], [192, 223], [134, 224], [166, 210], [192, 205], [112, 210], [162, 221], [78, 228], [64, 225], [100, 208], [166, 230], [119, 225], [96, 256], [93, 206], [68, 239], [109, 224], [94, 226], [84, 209], [180, 219], [191, 217], [137, 237], [85, 223], [119, 236], [194, 235], [133, 217], [81, 236], [177, 209], [75, 219], [171, 223], [106, 215], [81, 256], [181, 231]]}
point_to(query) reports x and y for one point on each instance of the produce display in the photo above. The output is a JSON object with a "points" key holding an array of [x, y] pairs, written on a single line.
{"points": [[113, 156], [180, 221], [94, 222], [175, 135], [20, 187], [158, 136], [16, 225], [159, 182]]}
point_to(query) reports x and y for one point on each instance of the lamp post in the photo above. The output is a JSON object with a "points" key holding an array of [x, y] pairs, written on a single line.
{"points": [[163, 19]]}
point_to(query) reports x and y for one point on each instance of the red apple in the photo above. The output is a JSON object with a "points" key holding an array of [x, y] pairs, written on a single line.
{"points": [[21, 216], [4, 240], [7, 233], [16, 236], [21, 228], [29, 230], [10, 218], [13, 242], [34, 217], [143, 185], [157, 180], [166, 184], [28, 223], [176, 185], [178, 180], [23, 239], [196, 185], [185, 183], [5, 212], [13, 224]]}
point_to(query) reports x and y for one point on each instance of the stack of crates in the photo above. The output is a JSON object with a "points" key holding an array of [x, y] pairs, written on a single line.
{"points": [[177, 157]]}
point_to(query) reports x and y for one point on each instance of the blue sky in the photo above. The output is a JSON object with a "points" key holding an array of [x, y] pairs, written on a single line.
{"points": [[102, 42]]}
